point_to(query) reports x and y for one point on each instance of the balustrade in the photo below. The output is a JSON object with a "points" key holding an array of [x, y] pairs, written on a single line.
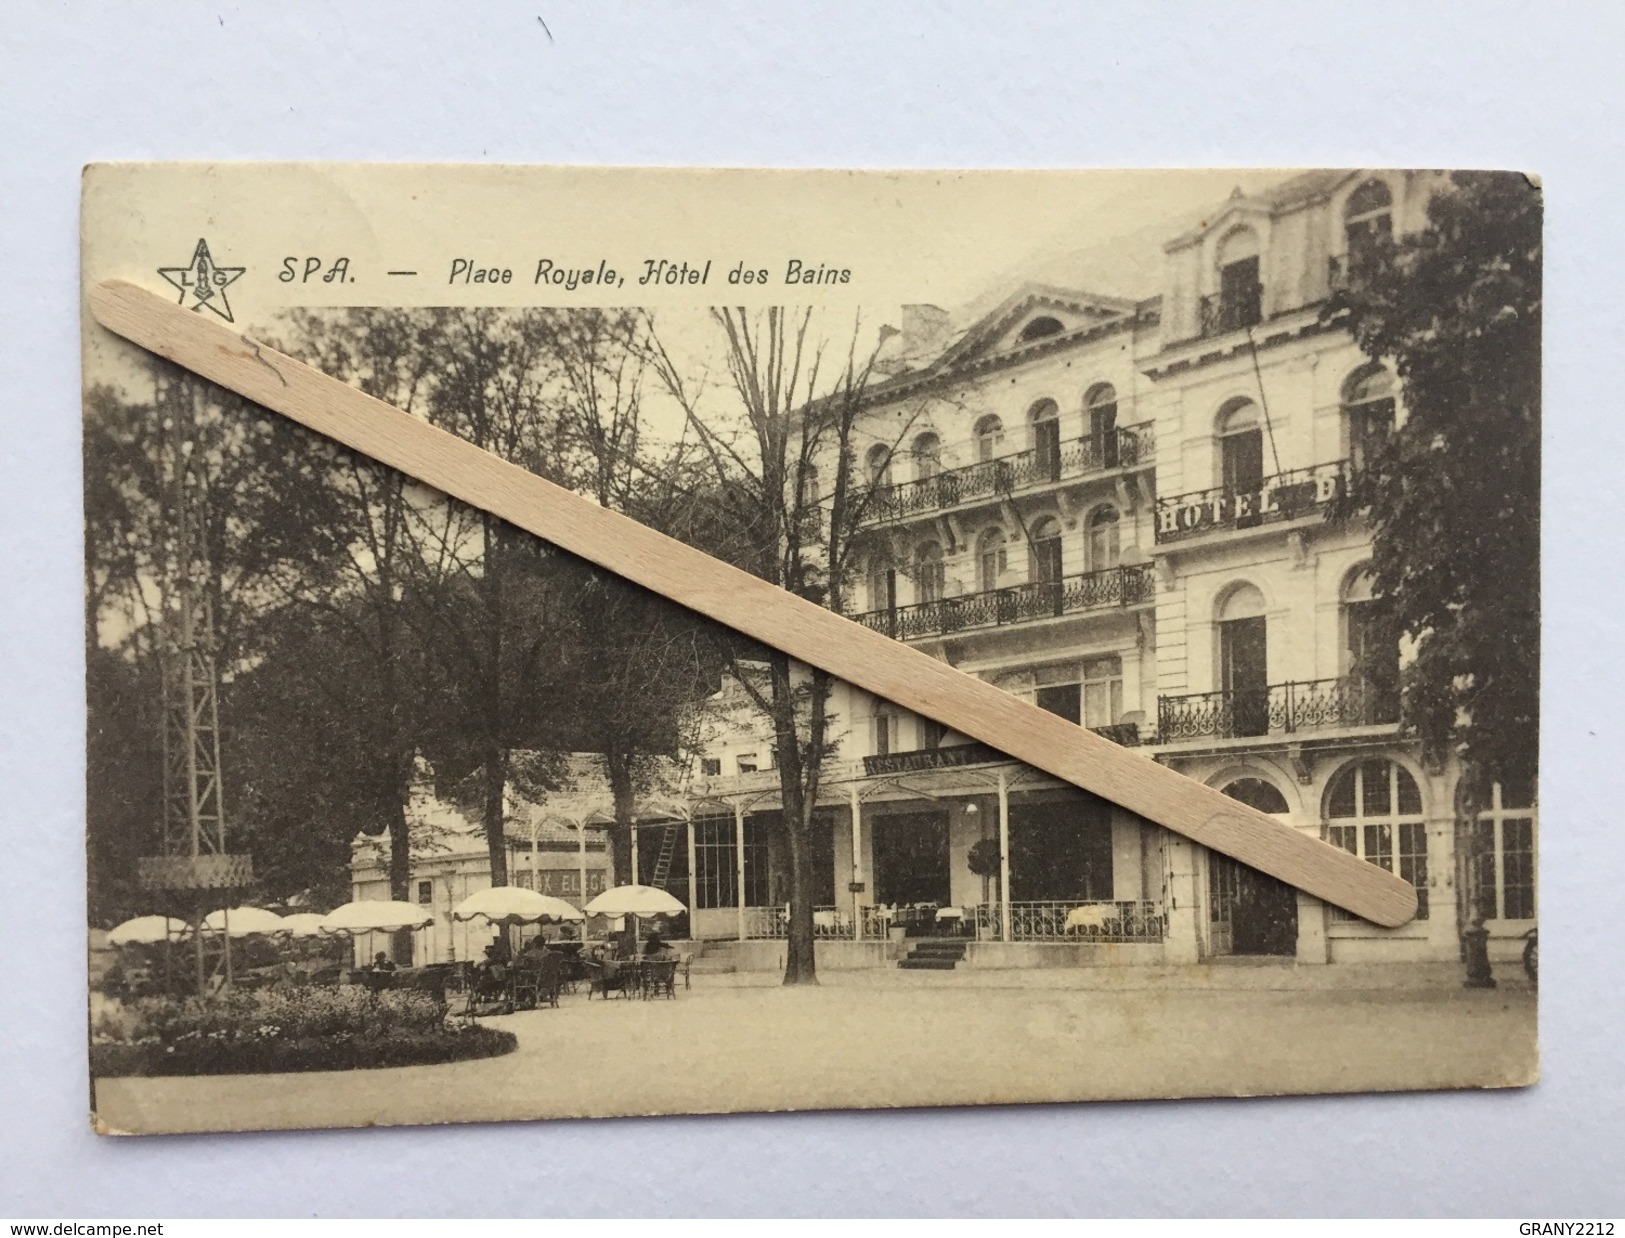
{"points": [[1084, 920], [1044, 599], [1124, 447], [1282, 708]]}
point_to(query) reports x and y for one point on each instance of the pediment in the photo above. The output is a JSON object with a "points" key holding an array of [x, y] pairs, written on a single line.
{"points": [[1031, 315]]}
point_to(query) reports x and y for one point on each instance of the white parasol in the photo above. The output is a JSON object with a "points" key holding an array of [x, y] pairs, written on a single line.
{"points": [[303, 924], [635, 900], [244, 922], [147, 931], [380, 915], [514, 905]]}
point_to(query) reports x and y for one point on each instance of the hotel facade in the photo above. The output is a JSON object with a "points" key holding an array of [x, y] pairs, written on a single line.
{"points": [[1127, 512]]}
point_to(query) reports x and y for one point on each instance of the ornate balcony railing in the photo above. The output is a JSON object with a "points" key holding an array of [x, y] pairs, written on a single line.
{"points": [[1225, 312], [1082, 920], [1125, 447], [1280, 709], [829, 923], [1285, 496], [1045, 599]]}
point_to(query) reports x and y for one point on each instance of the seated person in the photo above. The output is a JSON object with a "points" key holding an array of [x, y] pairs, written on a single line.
{"points": [[382, 963], [655, 948]]}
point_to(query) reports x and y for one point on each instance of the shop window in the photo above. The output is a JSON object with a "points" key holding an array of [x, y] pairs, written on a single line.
{"points": [[1374, 811], [1505, 854]]}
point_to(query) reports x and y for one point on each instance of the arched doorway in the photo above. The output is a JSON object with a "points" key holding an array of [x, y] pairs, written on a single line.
{"points": [[1249, 912]]}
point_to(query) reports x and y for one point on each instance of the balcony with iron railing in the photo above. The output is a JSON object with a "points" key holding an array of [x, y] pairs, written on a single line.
{"points": [[1285, 496], [1113, 587], [988, 480], [1231, 310], [1279, 709]]}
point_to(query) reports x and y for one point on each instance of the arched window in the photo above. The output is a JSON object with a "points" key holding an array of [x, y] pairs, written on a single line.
{"points": [[1258, 793], [1250, 912], [1045, 550], [882, 585], [1374, 810], [989, 436], [990, 559], [1241, 447], [878, 465], [1038, 328], [928, 573], [1241, 295], [927, 456], [1368, 414], [1368, 221], [1104, 550], [1044, 418], [1243, 662], [1370, 657], [1100, 405]]}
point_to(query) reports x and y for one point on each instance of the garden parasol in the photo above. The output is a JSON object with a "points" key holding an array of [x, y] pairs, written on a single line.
{"points": [[244, 922], [148, 931], [514, 905]]}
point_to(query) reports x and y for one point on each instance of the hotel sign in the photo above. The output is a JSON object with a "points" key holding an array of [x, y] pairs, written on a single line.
{"points": [[1279, 498]]}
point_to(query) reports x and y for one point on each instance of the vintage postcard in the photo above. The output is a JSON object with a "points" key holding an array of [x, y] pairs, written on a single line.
{"points": [[397, 814]]}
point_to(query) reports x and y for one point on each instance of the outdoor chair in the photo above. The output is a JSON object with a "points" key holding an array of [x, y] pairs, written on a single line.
{"points": [[659, 977], [683, 962]]}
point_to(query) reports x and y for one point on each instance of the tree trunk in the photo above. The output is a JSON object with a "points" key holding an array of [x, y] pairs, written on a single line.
{"points": [[618, 765], [800, 964], [496, 835]]}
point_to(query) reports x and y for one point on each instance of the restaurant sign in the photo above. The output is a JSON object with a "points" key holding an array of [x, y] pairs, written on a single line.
{"points": [[950, 757]]}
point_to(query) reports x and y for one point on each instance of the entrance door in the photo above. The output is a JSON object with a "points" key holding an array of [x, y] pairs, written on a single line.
{"points": [[1244, 677], [1249, 912], [911, 858]]}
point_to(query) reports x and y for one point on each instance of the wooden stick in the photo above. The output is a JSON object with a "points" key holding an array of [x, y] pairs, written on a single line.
{"points": [[750, 605]]}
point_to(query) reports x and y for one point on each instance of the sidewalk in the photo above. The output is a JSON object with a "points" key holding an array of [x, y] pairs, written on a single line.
{"points": [[1230, 975]]}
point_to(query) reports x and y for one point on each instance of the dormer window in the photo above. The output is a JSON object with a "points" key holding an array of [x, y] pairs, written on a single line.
{"points": [[1038, 328], [1368, 221], [1239, 303]]}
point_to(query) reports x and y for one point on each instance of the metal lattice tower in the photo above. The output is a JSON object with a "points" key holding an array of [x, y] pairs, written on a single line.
{"points": [[195, 863]]}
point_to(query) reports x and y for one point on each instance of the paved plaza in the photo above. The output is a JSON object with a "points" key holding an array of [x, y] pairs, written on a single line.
{"points": [[885, 1038]]}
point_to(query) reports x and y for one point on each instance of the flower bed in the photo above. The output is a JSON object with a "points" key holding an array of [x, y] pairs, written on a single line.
{"points": [[275, 1031]]}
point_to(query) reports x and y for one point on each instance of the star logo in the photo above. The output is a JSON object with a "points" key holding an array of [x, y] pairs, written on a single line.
{"points": [[202, 283]]}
